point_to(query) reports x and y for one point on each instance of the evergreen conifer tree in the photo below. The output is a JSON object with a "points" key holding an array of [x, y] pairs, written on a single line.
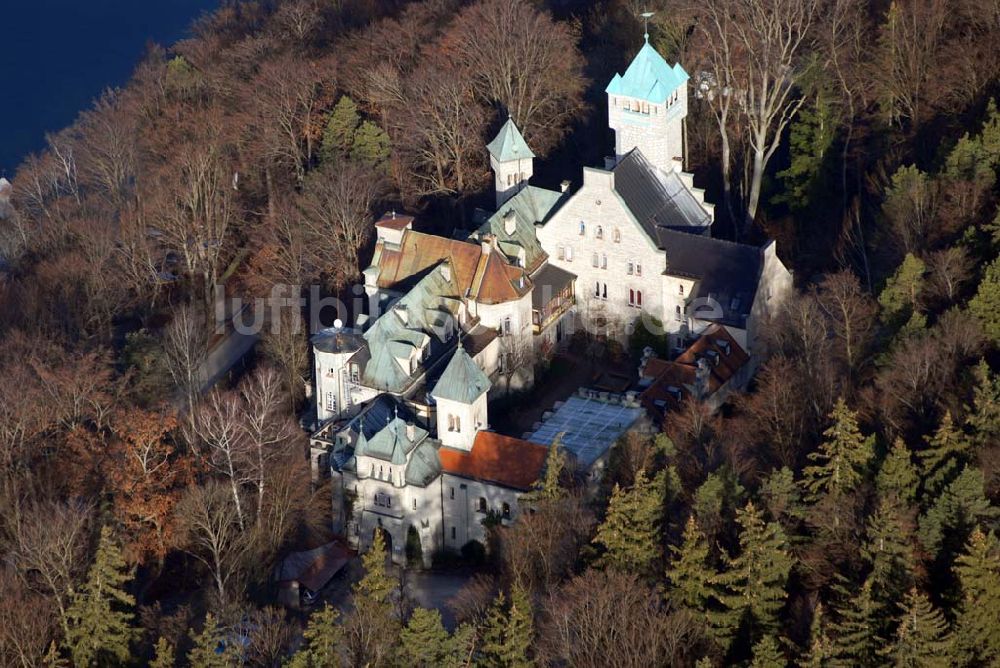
{"points": [[897, 478], [550, 487], [782, 499], [961, 506], [338, 135], [977, 638], [321, 641], [689, 573], [509, 632], [985, 305], [371, 145], [941, 459], [164, 656], [840, 460], [984, 418], [209, 651], [900, 297], [820, 652], [424, 642], [372, 631], [922, 639], [100, 613], [630, 533], [752, 588], [767, 654], [854, 632], [889, 551]]}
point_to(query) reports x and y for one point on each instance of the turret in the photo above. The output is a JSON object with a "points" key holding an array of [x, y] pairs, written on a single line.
{"points": [[460, 396], [512, 161], [647, 106]]}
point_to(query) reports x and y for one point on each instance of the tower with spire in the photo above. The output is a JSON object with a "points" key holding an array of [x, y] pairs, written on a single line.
{"points": [[647, 106], [512, 161]]}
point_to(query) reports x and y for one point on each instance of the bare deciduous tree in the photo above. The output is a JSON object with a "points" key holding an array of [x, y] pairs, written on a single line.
{"points": [[185, 348]]}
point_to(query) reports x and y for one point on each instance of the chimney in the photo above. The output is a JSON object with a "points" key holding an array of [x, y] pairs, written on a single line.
{"points": [[701, 375], [564, 186], [488, 242], [446, 270]]}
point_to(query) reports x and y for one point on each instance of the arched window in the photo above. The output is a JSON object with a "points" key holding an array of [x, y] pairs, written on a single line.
{"points": [[458, 423], [506, 511], [631, 297], [569, 253], [677, 312], [638, 297], [451, 422], [583, 228], [594, 260], [617, 236], [630, 268], [599, 232], [597, 289], [604, 261], [605, 295], [680, 290], [638, 267], [561, 253], [482, 504]]}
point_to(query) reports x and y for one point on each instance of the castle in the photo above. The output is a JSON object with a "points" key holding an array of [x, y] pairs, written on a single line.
{"points": [[401, 398]]}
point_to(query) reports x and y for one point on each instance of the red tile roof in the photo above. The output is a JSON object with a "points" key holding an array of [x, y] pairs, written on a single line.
{"points": [[498, 459]]}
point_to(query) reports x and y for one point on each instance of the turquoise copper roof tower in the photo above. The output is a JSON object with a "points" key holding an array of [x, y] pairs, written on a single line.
{"points": [[647, 106], [512, 161]]}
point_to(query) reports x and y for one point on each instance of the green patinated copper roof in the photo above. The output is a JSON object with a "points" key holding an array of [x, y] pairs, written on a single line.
{"points": [[462, 380], [648, 77], [531, 205], [392, 443], [424, 466], [509, 144]]}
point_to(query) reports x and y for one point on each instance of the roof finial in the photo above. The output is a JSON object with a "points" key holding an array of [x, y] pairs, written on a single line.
{"points": [[645, 17]]}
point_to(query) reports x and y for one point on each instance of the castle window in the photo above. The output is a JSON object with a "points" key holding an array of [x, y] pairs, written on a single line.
{"points": [[599, 232], [605, 295], [677, 313], [569, 253], [604, 261], [482, 504], [617, 236], [645, 107], [451, 493], [638, 298], [506, 511], [594, 260], [583, 228], [331, 402], [597, 289], [630, 269], [458, 423], [680, 290], [414, 504], [561, 253], [638, 268], [631, 297], [505, 330]]}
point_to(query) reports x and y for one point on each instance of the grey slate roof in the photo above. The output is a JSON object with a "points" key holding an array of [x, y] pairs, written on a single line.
{"points": [[549, 281], [462, 379], [656, 198], [727, 274], [425, 465]]}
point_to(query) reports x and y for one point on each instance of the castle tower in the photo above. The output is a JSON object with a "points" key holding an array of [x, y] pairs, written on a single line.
{"points": [[332, 348], [646, 108], [460, 395], [512, 161]]}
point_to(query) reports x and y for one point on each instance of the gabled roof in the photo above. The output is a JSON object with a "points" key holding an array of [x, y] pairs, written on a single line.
{"points": [[495, 459], [648, 77], [424, 465], [462, 380], [509, 144], [727, 274], [418, 253], [656, 198]]}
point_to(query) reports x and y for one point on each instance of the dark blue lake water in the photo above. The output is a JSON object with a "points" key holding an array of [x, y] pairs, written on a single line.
{"points": [[58, 55]]}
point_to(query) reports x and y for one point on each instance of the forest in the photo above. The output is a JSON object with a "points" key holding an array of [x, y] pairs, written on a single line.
{"points": [[842, 512]]}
